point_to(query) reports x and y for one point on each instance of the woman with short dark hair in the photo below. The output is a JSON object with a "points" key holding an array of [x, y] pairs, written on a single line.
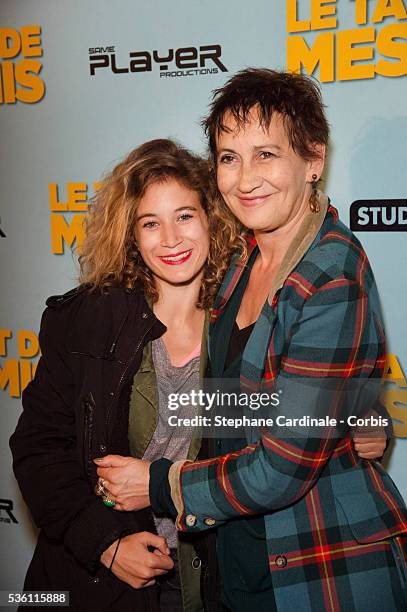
{"points": [[302, 522]]}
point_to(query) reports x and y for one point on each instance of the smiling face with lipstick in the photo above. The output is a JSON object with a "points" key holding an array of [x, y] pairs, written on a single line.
{"points": [[156, 225], [264, 182], [172, 232]]}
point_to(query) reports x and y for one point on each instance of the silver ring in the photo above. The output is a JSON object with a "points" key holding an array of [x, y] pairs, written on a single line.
{"points": [[100, 488]]}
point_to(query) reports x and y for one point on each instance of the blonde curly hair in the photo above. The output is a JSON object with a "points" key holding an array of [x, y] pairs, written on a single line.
{"points": [[109, 254]]}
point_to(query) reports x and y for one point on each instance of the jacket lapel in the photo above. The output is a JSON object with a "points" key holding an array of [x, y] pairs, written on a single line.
{"points": [[144, 401], [300, 244], [257, 355]]}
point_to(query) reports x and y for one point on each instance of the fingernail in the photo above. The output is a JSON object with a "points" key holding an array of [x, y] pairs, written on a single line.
{"points": [[98, 459]]}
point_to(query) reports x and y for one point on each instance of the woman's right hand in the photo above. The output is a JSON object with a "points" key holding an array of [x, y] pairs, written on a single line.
{"points": [[134, 563], [372, 447]]}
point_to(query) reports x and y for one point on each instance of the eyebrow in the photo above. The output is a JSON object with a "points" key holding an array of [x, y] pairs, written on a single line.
{"points": [[269, 145], [266, 145], [176, 210]]}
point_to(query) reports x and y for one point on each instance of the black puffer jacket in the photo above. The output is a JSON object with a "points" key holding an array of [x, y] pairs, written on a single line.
{"points": [[76, 409]]}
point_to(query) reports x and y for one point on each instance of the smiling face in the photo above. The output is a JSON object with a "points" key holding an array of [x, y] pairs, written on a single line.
{"points": [[260, 176], [172, 232]]}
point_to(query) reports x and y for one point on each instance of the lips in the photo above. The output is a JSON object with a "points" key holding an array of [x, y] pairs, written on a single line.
{"points": [[177, 258], [249, 202]]}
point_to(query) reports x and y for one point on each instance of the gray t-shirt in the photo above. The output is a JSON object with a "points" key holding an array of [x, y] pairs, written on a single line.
{"points": [[171, 442]]}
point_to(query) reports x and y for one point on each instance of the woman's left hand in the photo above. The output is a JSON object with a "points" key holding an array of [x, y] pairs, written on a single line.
{"points": [[127, 481]]}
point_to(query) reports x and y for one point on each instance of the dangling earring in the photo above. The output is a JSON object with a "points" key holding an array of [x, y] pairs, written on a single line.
{"points": [[313, 201]]}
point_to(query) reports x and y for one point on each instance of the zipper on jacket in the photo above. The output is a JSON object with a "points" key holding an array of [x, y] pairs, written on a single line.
{"points": [[110, 353], [123, 376], [89, 408]]}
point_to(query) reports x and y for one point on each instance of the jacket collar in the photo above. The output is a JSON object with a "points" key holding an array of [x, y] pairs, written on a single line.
{"points": [[301, 243]]}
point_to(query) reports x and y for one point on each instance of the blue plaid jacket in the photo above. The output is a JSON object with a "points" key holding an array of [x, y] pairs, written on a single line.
{"points": [[336, 525]]}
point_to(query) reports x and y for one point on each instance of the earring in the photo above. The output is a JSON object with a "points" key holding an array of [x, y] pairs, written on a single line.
{"points": [[313, 201]]}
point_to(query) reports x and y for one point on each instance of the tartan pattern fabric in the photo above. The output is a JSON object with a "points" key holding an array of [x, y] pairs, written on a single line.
{"points": [[331, 519]]}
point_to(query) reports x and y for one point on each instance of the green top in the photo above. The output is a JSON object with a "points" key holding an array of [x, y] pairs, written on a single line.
{"points": [[142, 424]]}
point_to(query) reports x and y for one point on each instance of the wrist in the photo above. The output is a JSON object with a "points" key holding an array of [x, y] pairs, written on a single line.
{"points": [[106, 558], [115, 553], [147, 481]]}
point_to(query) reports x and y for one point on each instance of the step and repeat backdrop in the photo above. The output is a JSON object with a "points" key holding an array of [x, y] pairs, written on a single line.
{"points": [[84, 82]]}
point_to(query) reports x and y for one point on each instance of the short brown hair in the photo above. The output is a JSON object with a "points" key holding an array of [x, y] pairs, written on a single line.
{"points": [[297, 98], [109, 254]]}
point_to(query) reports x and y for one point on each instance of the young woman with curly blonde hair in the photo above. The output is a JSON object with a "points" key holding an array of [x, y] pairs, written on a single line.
{"points": [[155, 251]]}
